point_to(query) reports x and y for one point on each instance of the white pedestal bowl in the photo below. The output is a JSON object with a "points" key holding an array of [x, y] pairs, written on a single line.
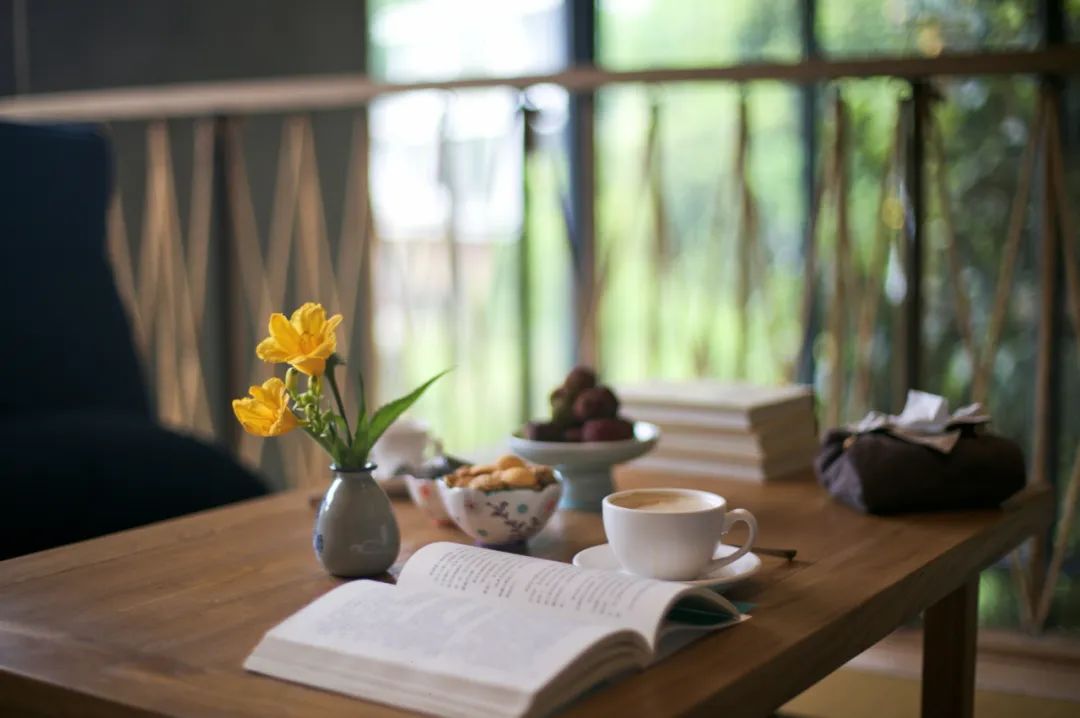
{"points": [[586, 466]]}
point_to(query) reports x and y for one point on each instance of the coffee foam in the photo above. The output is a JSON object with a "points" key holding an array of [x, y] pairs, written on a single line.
{"points": [[662, 502]]}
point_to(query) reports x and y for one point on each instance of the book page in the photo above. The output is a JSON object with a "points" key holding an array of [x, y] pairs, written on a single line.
{"points": [[601, 597], [408, 638]]}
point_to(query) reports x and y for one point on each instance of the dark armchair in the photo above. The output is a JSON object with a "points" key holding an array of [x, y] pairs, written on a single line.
{"points": [[80, 454]]}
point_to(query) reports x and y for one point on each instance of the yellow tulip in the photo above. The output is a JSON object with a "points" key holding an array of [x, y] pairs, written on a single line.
{"points": [[305, 341], [267, 412]]}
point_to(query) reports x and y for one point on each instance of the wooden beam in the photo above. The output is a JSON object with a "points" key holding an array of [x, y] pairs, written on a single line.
{"points": [[580, 36], [804, 369], [838, 309], [915, 236], [948, 680], [327, 92]]}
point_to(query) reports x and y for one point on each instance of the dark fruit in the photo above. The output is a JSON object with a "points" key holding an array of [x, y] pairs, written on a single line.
{"points": [[596, 403], [543, 431], [581, 411], [579, 379], [562, 407], [607, 430]]}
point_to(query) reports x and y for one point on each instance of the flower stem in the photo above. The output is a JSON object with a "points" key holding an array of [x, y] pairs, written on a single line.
{"points": [[340, 404], [320, 441]]}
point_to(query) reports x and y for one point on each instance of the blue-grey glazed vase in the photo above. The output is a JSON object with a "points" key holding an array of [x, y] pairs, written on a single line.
{"points": [[356, 533]]}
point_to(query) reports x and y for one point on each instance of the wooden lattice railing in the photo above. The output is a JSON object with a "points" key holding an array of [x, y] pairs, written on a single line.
{"points": [[166, 294]]}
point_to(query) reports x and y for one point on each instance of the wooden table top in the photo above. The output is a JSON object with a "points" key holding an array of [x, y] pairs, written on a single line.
{"points": [[157, 620]]}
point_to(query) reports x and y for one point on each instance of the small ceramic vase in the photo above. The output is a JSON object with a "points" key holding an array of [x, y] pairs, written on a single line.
{"points": [[356, 533]]}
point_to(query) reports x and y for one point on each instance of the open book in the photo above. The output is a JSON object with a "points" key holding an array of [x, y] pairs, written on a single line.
{"points": [[469, 631]]}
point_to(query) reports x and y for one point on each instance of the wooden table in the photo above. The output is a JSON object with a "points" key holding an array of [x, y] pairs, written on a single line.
{"points": [[157, 620]]}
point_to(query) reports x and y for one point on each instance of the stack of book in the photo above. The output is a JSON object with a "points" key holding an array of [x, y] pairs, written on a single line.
{"points": [[739, 431]]}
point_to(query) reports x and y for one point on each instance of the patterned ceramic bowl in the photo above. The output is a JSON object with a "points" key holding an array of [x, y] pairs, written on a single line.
{"points": [[503, 519], [426, 495]]}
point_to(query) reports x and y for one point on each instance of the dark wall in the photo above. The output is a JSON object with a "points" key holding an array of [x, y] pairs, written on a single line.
{"points": [[112, 43], [7, 47], [84, 45]]}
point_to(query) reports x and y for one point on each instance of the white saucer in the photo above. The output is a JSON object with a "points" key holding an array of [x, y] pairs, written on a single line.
{"points": [[740, 569]]}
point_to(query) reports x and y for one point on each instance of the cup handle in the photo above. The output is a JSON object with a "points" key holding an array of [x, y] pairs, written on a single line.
{"points": [[730, 519]]}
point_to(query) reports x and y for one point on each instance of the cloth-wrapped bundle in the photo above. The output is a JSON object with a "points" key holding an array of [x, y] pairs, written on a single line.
{"points": [[888, 465]]}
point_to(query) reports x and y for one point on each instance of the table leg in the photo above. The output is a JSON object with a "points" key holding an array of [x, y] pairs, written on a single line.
{"points": [[949, 630]]}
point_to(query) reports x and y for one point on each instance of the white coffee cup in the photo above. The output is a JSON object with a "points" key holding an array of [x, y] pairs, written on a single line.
{"points": [[672, 534]]}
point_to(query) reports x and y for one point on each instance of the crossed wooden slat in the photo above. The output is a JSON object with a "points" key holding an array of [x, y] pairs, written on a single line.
{"points": [[660, 248], [982, 359], [1070, 502], [832, 185], [607, 248], [298, 229], [166, 298], [871, 288], [748, 248], [750, 272], [852, 309], [1036, 598], [258, 288]]}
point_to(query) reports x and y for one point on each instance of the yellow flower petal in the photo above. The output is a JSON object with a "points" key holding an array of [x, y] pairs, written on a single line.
{"points": [[285, 423], [250, 418], [270, 351], [284, 333], [269, 393], [324, 350], [267, 412], [309, 319], [331, 324], [305, 341], [312, 366]]}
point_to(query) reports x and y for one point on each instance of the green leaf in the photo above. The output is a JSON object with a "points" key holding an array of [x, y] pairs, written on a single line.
{"points": [[388, 413], [341, 424], [326, 445], [361, 414], [331, 377]]}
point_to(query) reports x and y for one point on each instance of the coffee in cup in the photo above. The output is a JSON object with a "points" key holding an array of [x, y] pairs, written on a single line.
{"points": [[660, 500], [672, 534]]}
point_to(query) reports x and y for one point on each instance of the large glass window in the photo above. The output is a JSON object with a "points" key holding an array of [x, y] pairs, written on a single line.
{"points": [[444, 39]]}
